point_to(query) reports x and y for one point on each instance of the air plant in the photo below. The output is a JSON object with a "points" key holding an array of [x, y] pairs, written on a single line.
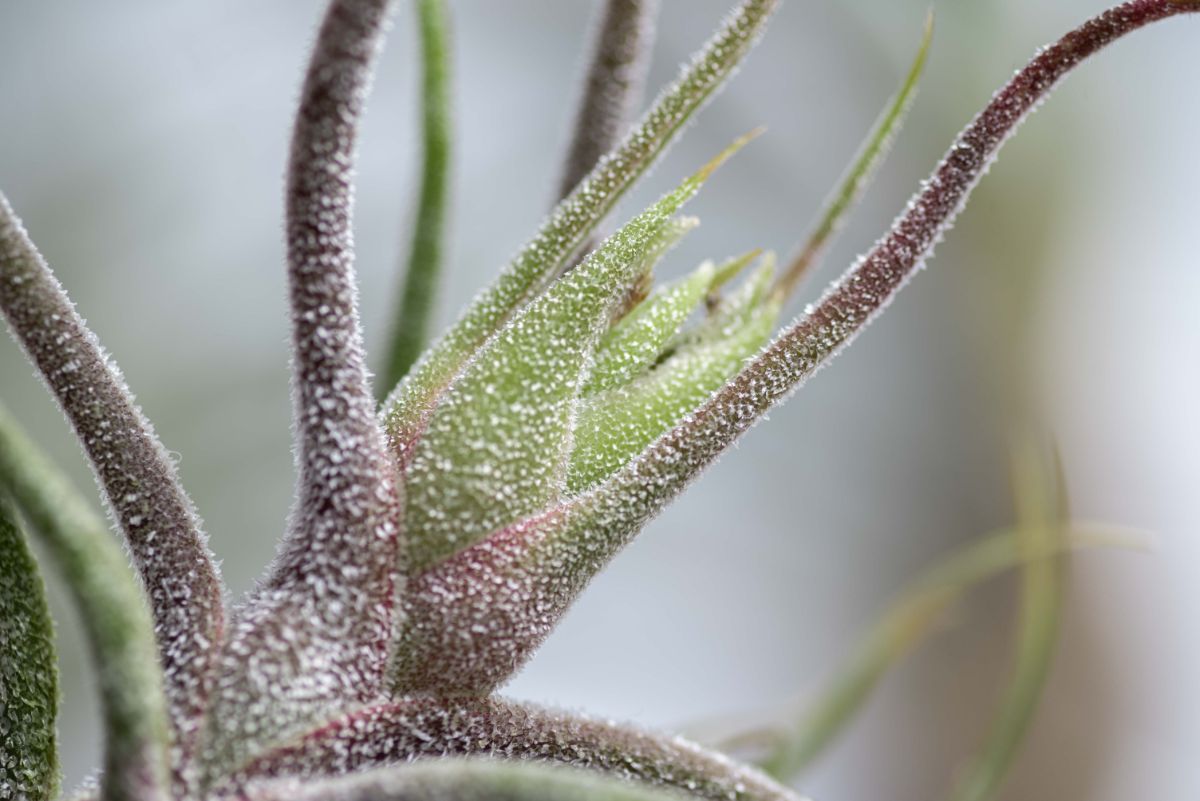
{"points": [[437, 538]]}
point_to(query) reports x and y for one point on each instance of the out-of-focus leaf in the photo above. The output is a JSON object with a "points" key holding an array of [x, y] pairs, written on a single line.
{"points": [[872, 153], [28, 670], [406, 411], [1041, 511], [496, 446], [114, 614], [415, 315]]}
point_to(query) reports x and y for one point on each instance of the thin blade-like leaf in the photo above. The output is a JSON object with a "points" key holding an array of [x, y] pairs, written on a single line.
{"points": [[414, 318], [496, 447], [28, 670], [1042, 512], [115, 618], [493, 727], [138, 477], [407, 409], [858, 177]]}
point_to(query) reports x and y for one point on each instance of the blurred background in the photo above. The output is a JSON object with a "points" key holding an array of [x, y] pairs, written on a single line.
{"points": [[143, 143]]}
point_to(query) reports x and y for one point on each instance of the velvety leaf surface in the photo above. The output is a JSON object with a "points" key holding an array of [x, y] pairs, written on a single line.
{"points": [[28, 671], [407, 409], [496, 447], [492, 727]]}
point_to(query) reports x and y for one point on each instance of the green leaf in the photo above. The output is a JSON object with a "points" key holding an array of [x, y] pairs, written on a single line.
{"points": [[417, 299], [638, 339], [616, 425], [407, 410], [28, 670], [114, 614], [496, 447], [1042, 513], [858, 177]]}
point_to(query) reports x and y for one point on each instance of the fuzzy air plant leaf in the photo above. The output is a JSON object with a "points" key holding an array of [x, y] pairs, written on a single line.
{"points": [[28, 670], [437, 540]]}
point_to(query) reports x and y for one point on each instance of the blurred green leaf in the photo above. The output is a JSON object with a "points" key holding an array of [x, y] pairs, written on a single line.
{"points": [[28, 670], [415, 315], [1041, 513], [858, 177], [912, 618]]}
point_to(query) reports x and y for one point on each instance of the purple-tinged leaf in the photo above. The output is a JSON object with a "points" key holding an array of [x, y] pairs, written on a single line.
{"points": [[415, 313], [417, 728], [461, 780], [474, 619], [407, 409], [112, 608], [136, 475], [315, 635]]}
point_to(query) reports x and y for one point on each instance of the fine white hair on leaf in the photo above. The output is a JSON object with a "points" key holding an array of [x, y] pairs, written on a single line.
{"points": [[315, 636], [136, 476]]}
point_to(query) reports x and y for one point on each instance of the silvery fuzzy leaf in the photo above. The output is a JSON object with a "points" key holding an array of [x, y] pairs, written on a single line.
{"points": [[476, 618], [315, 635], [136, 475], [616, 425], [496, 447], [416, 728], [407, 409], [28, 670]]}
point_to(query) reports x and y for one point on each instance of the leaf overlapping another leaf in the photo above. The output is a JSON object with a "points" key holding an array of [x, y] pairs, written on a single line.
{"points": [[407, 409], [492, 727]]}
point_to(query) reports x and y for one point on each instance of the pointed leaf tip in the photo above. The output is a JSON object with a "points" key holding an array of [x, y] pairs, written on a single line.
{"points": [[496, 447]]}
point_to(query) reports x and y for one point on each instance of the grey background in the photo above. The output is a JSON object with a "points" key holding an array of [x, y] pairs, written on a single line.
{"points": [[143, 144]]}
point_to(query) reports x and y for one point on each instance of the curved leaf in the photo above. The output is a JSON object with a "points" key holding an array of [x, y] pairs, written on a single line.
{"points": [[28, 670], [316, 633], [137, 476], [491, 727], [114, 614], [496, 446], [414, 317]]}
